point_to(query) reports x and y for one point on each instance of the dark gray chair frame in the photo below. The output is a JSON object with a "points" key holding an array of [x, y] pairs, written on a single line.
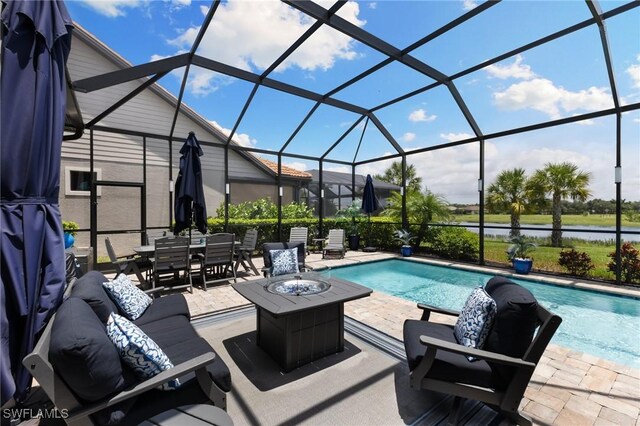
{"points": [[171, 258], [504, 401], [217, 260], [245, 250], [266, 247], [129, 264]]}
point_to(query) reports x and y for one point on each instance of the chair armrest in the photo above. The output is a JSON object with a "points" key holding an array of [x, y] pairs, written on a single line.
{"points": [[479, 353], [179, 370], [427, 309]]}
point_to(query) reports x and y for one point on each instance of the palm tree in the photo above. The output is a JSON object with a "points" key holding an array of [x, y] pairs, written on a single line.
{"points": [[508, 194], [394, 175], [422, 209], [560, 181]]}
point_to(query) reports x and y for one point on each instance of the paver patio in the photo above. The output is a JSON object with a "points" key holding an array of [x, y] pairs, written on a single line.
{"points": [[567, 388]]}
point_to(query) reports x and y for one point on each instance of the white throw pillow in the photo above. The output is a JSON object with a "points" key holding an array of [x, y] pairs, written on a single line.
{"points": [[475, 320], [129, 298], [284, 261]]}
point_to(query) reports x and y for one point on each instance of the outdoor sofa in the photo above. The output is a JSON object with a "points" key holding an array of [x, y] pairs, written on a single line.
{"points": [[79, 367]]}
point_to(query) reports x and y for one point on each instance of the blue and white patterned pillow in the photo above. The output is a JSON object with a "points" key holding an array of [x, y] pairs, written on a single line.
{"points": [[475, 320], [138, 350], [129, 298], [284, 261]]}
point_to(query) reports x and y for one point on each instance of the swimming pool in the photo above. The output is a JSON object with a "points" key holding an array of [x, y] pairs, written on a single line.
{"points": [[600, 324]]}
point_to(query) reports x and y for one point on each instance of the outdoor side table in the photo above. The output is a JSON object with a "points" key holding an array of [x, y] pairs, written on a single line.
{"points": [[297, 329]]}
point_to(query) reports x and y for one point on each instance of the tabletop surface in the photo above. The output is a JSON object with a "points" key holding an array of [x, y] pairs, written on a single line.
{"points": [[280, 304]]}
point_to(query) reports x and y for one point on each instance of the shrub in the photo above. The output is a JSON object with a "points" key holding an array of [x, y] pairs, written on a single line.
{"points": [[630, 259], [455, 243], [264, 208], [70, 227], [577, 263]]}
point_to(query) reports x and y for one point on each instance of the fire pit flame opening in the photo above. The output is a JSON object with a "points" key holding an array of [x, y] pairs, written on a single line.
{"points": [[297, 285]]}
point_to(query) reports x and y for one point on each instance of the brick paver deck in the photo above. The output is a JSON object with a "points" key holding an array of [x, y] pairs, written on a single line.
{"points": [[567, 388]]}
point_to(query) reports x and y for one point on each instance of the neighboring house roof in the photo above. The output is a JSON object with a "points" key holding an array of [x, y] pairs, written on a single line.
{"points": [[286, 170], [338, 178]]}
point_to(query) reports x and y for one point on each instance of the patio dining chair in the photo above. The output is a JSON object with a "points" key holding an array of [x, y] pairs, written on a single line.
{"points": [[499, 373], [299, 234], [171, 264], [216, 263], [245, 250], [334, 243], [129, 264]]}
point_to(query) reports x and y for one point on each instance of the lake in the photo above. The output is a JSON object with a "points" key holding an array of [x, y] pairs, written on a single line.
{"points": [[566, 232]]}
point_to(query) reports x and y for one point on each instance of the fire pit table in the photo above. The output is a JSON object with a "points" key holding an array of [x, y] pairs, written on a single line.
{"points": [[300, 317]]}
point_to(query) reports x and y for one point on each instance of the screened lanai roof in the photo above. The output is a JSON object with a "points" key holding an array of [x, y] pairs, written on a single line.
{"points": [[359, 82], [345, 179]]}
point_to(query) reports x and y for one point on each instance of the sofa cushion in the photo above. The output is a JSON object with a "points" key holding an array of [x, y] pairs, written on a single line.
{"points": [[130, 299], [138, 351], [182, 352], [169, 331], [516, 317], [164, 307], [89, 288], [447, 366], [82, 354], [284, 261], [475, 320]]}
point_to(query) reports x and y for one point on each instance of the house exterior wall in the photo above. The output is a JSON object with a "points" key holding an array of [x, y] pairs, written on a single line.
{"points": [[120, 157], [245, 191]]}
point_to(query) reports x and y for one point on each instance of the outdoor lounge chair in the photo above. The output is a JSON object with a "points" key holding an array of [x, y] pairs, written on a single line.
{"points": [[267, 247], [334, 243], [171, 259], [129, 264], [216, 263], [299, 234], [501, 372]]}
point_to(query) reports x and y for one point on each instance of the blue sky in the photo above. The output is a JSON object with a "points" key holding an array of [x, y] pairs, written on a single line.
{"points": [[560, 79]]}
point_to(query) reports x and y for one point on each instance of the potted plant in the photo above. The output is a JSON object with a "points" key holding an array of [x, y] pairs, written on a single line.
{"points": [[353, 212], [518, 253], [70, 229], [405, 238]]}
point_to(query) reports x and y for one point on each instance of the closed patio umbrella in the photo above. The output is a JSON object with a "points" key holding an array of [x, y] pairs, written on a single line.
{"points": [[369, 205], [189, 204], [35, 46]]}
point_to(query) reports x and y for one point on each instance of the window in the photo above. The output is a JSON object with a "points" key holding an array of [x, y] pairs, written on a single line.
{"points": [[77, 180]]}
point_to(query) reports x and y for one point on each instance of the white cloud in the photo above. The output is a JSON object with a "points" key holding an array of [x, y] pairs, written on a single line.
{"points": [[298, 165], [373, 5], [114, 8], [634, 73], [636, 120], [514, 70], [421, 115], [543, 95], [241, 139], [469, 4], [408, 137], [452, 137], [339, 169], [251, 35]]}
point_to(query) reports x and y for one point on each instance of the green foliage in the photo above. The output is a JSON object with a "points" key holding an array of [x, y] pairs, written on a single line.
{"points": [[264, 208], [404, 236], [455, 243], [520, 247], [632, 215], [630, 263], [354, 213], [577, 263], [394, 175], [70, 227]]}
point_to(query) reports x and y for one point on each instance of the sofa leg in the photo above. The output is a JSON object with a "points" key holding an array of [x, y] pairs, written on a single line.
{"points": [[213, 392]]}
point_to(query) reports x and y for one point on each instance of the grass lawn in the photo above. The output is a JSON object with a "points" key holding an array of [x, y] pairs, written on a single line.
{"points": [[546, 258], [545, 219]]}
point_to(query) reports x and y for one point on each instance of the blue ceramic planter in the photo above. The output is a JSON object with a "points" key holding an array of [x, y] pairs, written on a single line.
{"points": [[68, 240], [522, 266], [406, 251]]}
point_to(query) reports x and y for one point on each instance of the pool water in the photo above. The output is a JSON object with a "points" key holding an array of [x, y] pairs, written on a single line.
{"points": [[600, 324]]}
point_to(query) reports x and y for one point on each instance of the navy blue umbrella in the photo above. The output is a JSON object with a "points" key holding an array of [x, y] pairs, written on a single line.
{"points": [[369, 200], [189, 204], [369, 205], [35, 46]]}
